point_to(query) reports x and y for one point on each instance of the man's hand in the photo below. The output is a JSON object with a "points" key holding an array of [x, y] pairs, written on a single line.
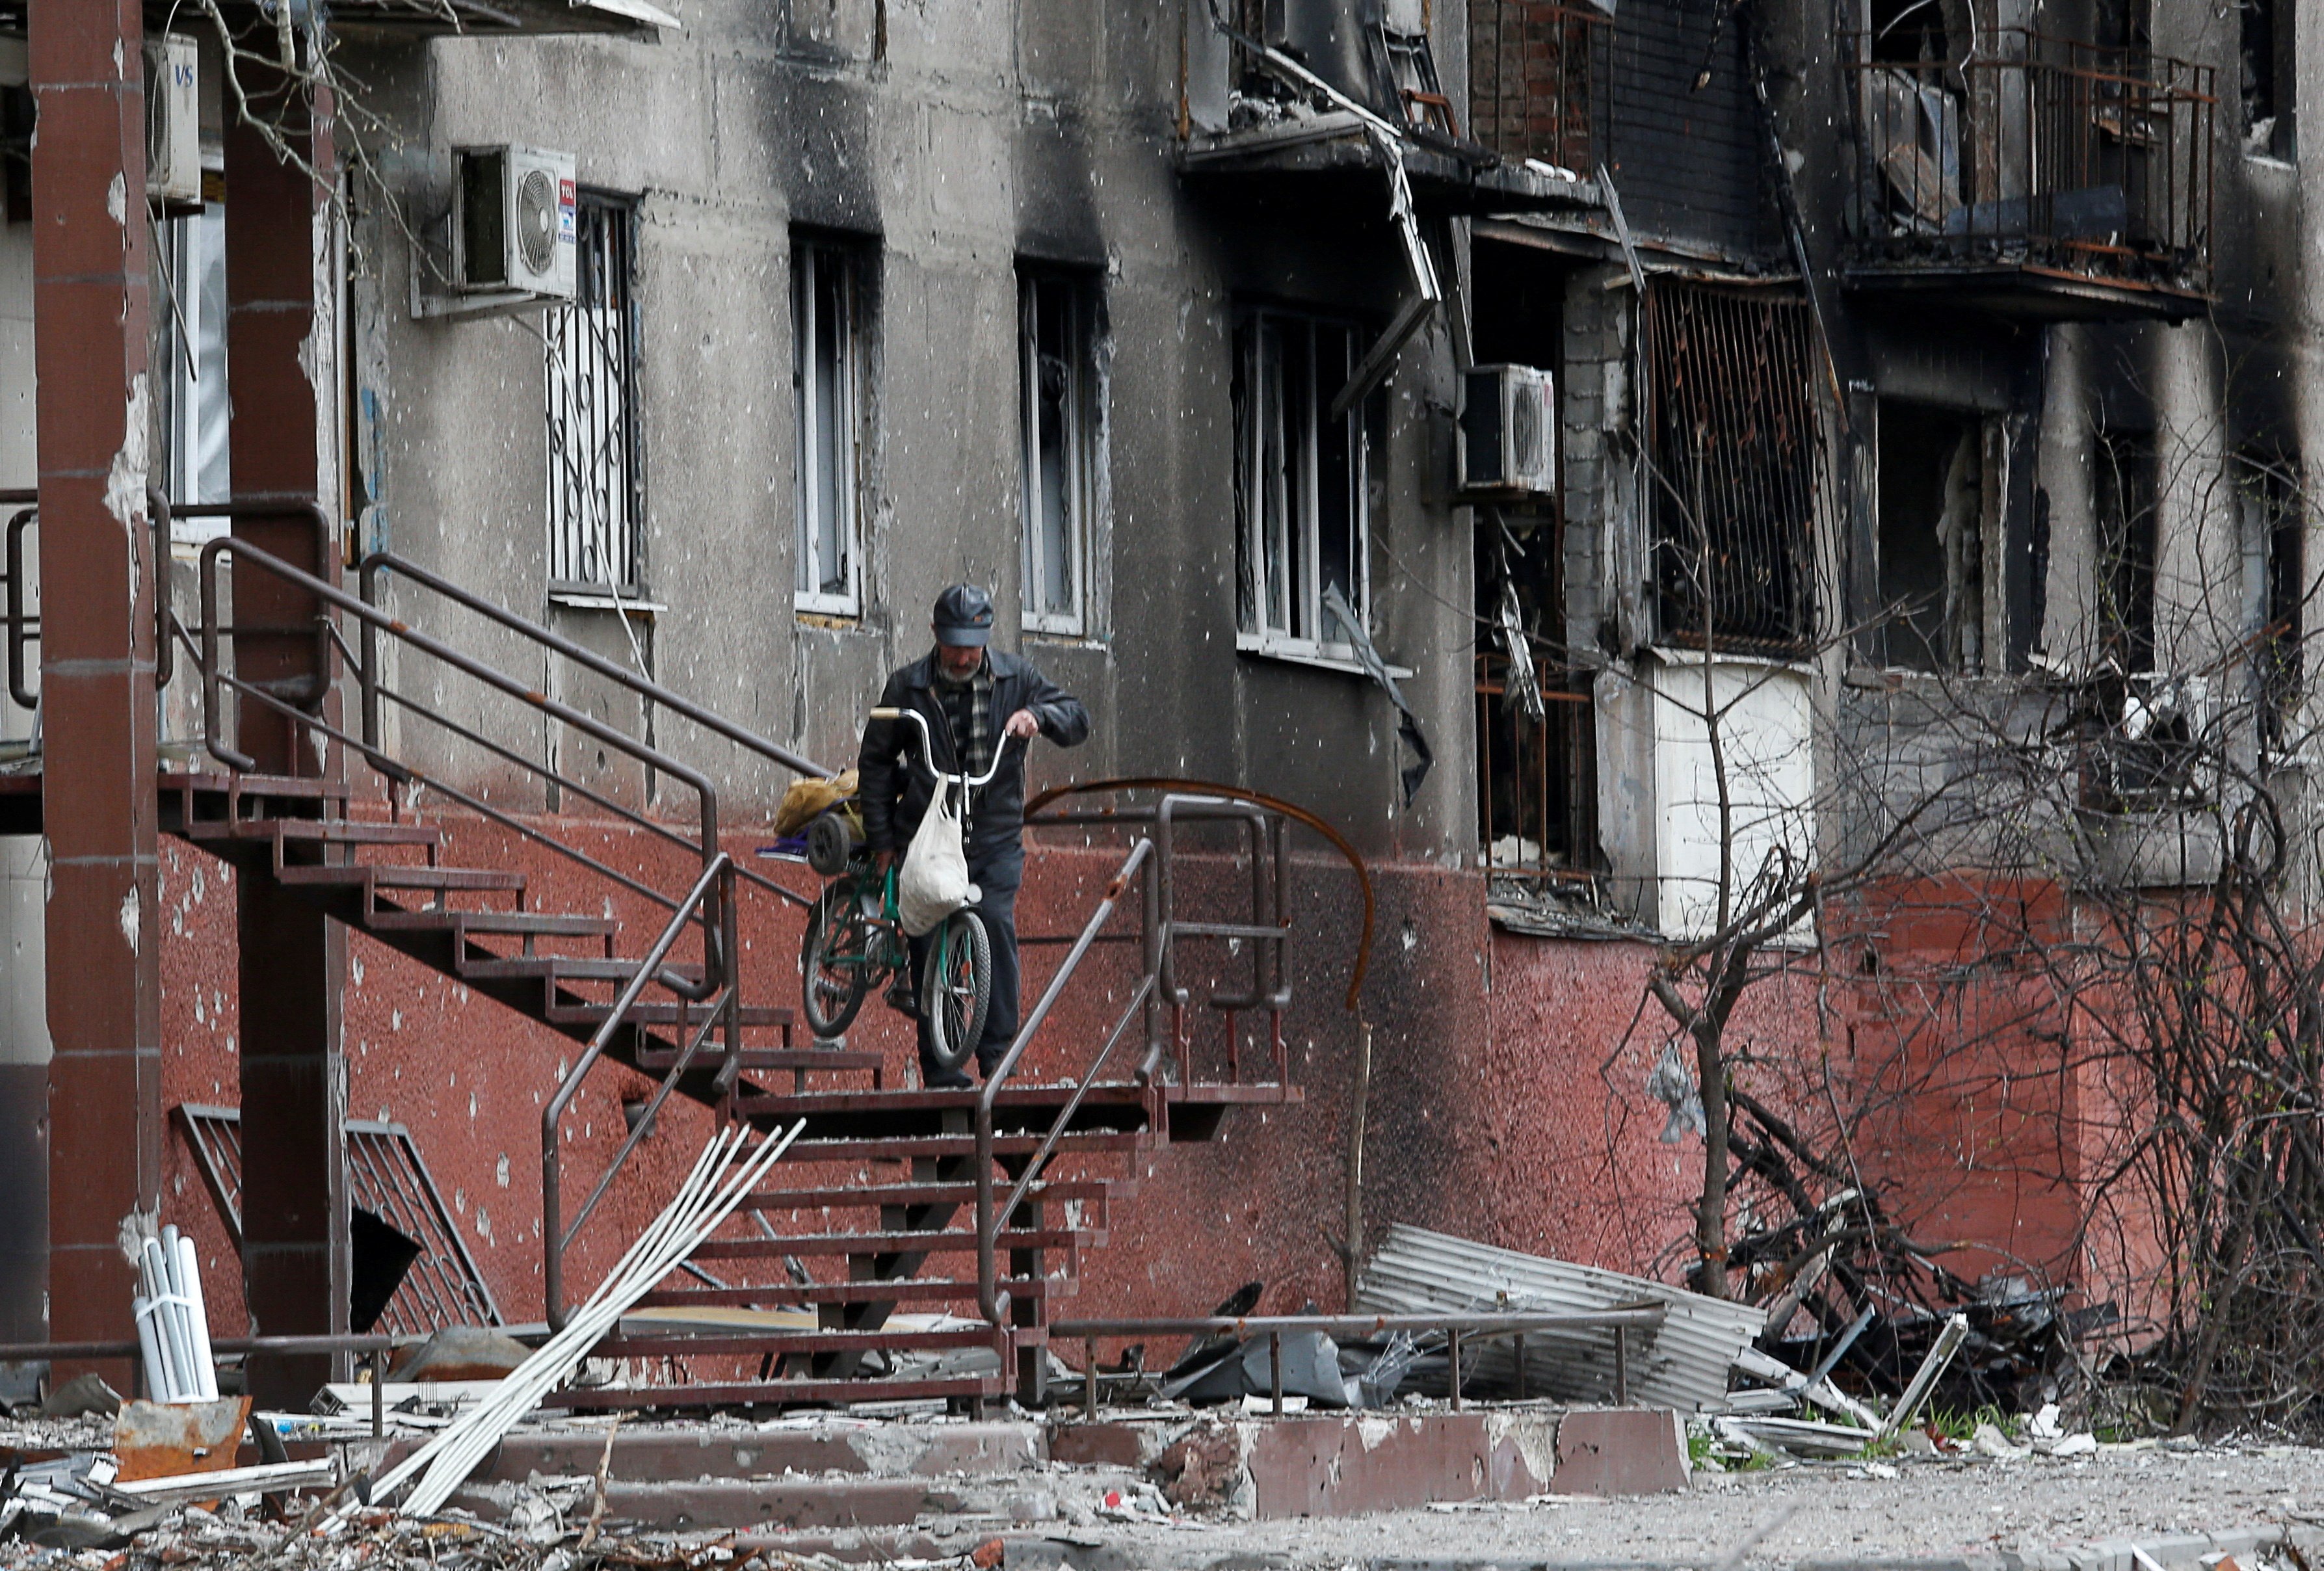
{"points": [[884, 860], [1023, 726]]}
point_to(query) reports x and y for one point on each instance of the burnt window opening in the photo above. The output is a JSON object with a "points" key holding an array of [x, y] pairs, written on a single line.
{"points": [[1734, 445], [1932, 545], [1906, 32], [1536, 774], [1060, 418], [2276, 588], [1535, 70], [2270, 81], [1303, 485], [2123, 496], [1520, 306]]}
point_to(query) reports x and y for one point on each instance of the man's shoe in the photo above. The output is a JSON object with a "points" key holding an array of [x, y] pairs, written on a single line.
{"points": [[948, 1080]]}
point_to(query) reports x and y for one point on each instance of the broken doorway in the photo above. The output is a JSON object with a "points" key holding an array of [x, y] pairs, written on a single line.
{"points": [[1931, 537]]}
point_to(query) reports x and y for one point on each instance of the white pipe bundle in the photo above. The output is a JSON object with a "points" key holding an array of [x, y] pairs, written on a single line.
{"points": [[724, 1175], [173, 1327]]}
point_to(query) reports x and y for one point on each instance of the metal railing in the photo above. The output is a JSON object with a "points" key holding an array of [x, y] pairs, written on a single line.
{"points": [[1533, 70], [989, 1220], [1459, 1327], [2037, 152], [713, 891]]}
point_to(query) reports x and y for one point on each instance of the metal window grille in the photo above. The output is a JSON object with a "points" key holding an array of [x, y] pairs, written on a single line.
{"points": [[1734, 447], [596, 491], [1056, 340], [1300, 482], [385, 1177], [826, 353]]}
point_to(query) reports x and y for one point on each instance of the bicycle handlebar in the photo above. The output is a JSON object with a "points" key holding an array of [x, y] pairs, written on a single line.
{"points": [[927, 749]]}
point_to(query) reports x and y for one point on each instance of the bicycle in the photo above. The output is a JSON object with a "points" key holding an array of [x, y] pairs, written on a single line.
{"points": [[854, 940]]}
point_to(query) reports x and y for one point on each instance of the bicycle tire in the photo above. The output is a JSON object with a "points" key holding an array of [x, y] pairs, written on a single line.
{"points": [[830, 924], [956, 988]]}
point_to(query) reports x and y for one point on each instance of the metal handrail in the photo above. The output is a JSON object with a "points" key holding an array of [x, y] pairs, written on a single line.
{"points": [[555, 1236], [374, 621], [644, 687], [988, 1296]]}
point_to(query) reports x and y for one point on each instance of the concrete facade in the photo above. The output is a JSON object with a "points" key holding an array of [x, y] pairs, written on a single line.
{"points": [[950, 153]]}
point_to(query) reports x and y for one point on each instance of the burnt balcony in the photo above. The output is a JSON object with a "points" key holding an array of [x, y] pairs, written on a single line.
{"points": [[1533, 69], [2038, 177]]}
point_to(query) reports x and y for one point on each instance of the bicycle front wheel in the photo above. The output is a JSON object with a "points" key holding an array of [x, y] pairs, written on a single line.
{"points": [[956, 988], [832, 961]]}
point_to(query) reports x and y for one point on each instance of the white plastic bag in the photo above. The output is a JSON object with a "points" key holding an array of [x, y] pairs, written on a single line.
{"points": [[932, 883]]}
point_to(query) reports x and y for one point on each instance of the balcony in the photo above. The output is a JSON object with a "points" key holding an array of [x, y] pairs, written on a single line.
{"points": [[1533, 65], [2038, 177]]}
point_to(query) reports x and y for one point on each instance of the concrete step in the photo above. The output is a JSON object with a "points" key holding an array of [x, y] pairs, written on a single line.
{"points": [[745, 1504], [520, 924], [648, 1452]]}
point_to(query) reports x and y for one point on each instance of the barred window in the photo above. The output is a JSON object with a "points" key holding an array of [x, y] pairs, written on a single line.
{"points": [[596, 481], [1735, 448]]}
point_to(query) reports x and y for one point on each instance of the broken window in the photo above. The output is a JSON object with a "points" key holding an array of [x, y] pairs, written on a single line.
{"points": [[193, 344], [1734, 446], [2276, 587], [1537, 745], [1057, 336], [2270, 84], [2123, 495], [1931, 537], [827, 354], [1301, 484], [595, 480]]}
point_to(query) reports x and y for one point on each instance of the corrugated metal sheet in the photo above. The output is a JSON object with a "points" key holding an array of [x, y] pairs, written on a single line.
{"points": [[1683, 1365]]}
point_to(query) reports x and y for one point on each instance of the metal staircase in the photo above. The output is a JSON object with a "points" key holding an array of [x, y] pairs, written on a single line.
{"points": [[906, 1224]]}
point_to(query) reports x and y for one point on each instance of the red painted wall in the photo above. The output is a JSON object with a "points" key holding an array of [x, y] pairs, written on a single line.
{"points": [[1507, 1102]]}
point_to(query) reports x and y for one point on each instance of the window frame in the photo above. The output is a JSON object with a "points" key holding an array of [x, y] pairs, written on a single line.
{"points": [[186, 242], [610, 218], [1259, 396], [813, 259], [1084, 420]]}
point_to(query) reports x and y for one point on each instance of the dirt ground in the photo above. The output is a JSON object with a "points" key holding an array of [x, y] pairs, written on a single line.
{"points": [[1931, 1509]]}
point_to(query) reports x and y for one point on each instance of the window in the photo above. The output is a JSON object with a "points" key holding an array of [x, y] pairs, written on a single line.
{"points": [[825, 359], [2124, 498], [1301, 484], [1931, 537], [193, 342], [1537, 763], [596, 491], [2276, 587], [2269, 80], [1735, 448], [1059, 415]]}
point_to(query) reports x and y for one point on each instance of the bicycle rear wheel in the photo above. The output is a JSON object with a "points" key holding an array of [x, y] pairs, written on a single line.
{"points": [[956, 988], [832, 961]]}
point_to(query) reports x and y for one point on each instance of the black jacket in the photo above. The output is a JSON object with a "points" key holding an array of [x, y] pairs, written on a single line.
{"points": [[894, 792]]}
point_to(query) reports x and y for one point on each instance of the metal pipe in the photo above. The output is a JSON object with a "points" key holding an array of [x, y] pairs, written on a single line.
{"points": [[988, 1296], [551, 1221], [1453, 1340], [1275, 1371], [17, 619]]}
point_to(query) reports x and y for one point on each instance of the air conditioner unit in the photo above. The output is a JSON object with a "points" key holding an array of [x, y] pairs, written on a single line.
{"points": [[1508, 431], [173, 123], [514, 224]]}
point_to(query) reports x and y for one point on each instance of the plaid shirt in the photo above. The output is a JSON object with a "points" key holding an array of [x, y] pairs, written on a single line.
{"points": [[968, 712]]}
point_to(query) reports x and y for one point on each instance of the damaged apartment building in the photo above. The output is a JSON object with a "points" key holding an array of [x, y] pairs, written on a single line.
{"points": [[523, 435]]}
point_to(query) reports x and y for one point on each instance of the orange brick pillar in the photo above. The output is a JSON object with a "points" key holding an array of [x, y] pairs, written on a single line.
{"points": [[282, 357], [97, 794]]}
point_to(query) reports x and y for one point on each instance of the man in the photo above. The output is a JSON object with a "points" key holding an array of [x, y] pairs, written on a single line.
{"points": [[972, 698]]}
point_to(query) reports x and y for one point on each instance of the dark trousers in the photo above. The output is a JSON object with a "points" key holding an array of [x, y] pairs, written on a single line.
{"points": [[996, 874]]}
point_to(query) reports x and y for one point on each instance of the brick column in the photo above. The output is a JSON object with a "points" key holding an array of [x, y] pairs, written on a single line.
{"points": [[282, 355], [98, 793]]}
